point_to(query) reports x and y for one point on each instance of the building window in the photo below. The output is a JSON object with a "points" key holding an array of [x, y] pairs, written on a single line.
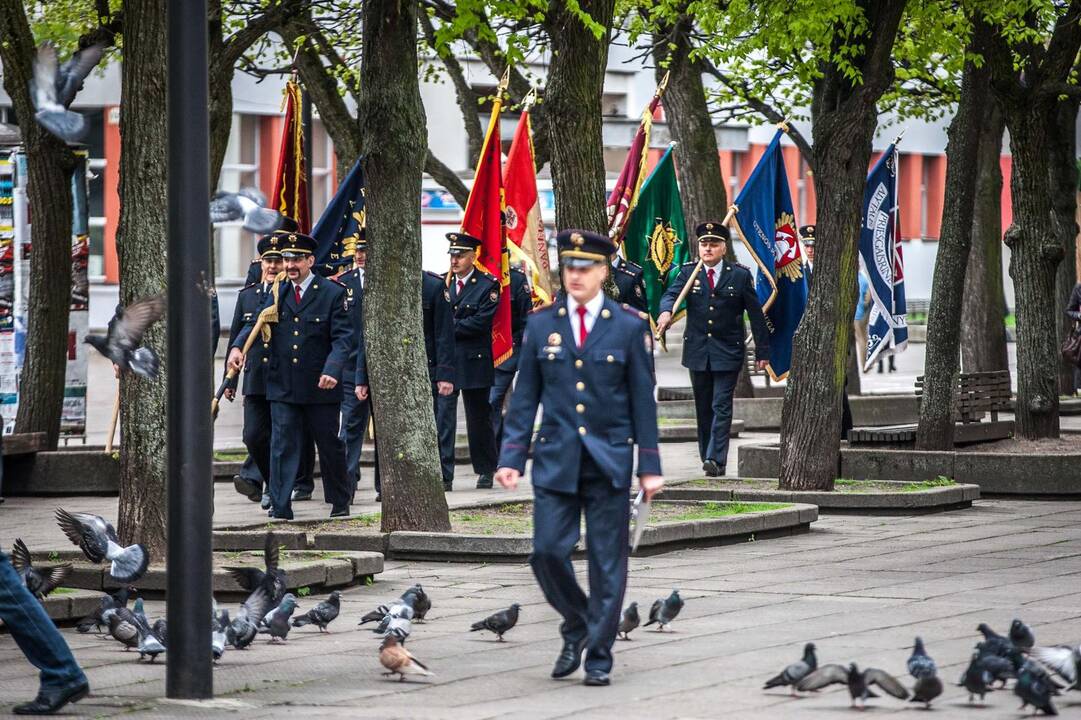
{"points": [[234, 247]]}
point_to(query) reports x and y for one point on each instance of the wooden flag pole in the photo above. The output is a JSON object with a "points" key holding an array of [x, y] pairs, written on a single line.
{"points": [[112, 423]]}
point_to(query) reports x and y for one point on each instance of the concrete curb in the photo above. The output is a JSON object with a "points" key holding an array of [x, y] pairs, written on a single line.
{"points": [[764, 413]]}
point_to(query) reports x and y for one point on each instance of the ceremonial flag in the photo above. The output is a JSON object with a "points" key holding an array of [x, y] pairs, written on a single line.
{"points": [[880, 259], [290, 195], [483, 219], [765, 219], [338, 230], [625, 193], [525, 228], [655, 236]]}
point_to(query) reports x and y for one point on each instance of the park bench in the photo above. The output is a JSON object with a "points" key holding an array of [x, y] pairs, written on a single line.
{"points": [[21, 444], [974, 396]]}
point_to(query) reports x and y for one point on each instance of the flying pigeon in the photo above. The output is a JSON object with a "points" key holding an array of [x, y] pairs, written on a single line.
{"points": [[322, 614], [122, 339], [243, 628], [419, 600], [629, 621], [1035, 688], [98, 541], [794, 673], [397, 660], [39, 582], [923, 668], [664, 611], [859, 683], [500, 622], [273, 579], [106, 606], [54, 87], [247, 205], [124, 628], [1021, 635], [976, 678], [276, 622], [1062, 660]]}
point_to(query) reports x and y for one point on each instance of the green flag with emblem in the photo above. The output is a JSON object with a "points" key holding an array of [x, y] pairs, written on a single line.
{"points": [[655, 237]]}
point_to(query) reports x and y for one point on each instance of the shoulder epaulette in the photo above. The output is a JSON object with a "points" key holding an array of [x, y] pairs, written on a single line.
{"points": [[437, 276], [739, 264], [518, 270], [692, 263], [249, 286], [488, 276], [628, 271], [632, 265], [642, 315], [337, 282]]}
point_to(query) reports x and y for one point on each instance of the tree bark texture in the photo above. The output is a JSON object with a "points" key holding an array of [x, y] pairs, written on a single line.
{"points": [[394, 138], [49, 165], [573, 94], [935, 430], [141, 240], [983, 306], [844, 119], [1064, 186]]}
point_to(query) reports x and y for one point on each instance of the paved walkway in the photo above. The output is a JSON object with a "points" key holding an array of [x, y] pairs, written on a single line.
{"points": [[860, 588]]}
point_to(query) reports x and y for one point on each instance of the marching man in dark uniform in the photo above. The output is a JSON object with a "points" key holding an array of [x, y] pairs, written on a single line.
{"points": [[438, 321], [355, 411], [589, 362], [521, 303], [474, 297], [309, 348], [630, 282], [713, 341]]}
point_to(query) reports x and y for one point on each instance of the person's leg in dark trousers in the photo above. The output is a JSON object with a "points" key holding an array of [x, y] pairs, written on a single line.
{"points": [[497, 398], [846, 412], [256, 438], [355, 414], [322, 420], [557, 521], [702, 388], [305, 479], [724, 385], [607, 522], [446, 424], [478, 421], [287, 427], [36, 636]]}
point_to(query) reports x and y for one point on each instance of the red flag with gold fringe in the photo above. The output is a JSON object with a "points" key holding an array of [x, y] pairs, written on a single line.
{"points": [[290, 195]]}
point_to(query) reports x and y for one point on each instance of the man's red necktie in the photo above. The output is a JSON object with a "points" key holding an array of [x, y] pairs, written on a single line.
{"points": [[582, 332], [709, 274], [296, 294], [461, 284]]}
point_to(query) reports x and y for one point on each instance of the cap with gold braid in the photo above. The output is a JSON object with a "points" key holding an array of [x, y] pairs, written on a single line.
{"points": [[461, 242], [581, 248], [807, 234], [712, 231], [295, 244]]}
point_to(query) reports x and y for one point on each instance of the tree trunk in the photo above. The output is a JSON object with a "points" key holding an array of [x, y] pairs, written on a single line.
{"points": [[394, 146], [221, 122], [983, 305], [853, 376], [573, 94], [844, 117], [935, 430], [49, 164], [1063, 162], [140, 244]]}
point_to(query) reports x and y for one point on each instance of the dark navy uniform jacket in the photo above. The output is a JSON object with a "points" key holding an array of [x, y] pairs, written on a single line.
{"points": [[599, 398], [438, 327], [354, 299], [312, 340], [714, 335], [521, 303], [249, 301], [631, 284], [474, 310]]}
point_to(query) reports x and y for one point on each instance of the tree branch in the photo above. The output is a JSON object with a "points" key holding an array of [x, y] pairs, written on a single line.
{"points": [[467, 98], [446, 177]]}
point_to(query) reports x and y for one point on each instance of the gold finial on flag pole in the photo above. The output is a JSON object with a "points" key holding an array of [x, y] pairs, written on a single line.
{"points": [[897, 140], [505, 80], [783, 125], [529, 100], [663, 84]]}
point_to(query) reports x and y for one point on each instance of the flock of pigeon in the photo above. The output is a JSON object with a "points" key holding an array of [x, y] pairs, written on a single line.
{"points": [[996, 659]]}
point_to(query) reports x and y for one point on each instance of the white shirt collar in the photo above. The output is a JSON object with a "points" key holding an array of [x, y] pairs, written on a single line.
{"points": [[466, 278], [307, 283], [718, 266], [593, 307]]}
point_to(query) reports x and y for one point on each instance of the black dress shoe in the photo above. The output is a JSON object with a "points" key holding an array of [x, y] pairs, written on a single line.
{"points": [[569, 660], [340, 511], [264, 502], [448, 486], [49, 701], [247, 488], [597, 678], [712, 469], [484, 482], [301, 495], [378, 497]]}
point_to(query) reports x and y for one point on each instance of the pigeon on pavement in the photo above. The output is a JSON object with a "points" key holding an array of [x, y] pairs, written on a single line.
{"points": [[419, 601], [664, 611], [1062, 660], [976, 679], [243, 628], [219, 627], [399, 627], [247, 205], [384, 613], [794, 673], [39, 582], [106, 606], [1035, 688], [993, 643], [1021, 635], [272, 579], [276, 622], [397, 660], [500, 622], [859, 683], [98, 541], [124, 628], [628, 622], [322, 614], [923, 668], [54, 87], [122, 341]]}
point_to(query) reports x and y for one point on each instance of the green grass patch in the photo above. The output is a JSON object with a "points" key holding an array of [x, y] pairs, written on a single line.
{"points": [[63, 591], [229, 456], [710, 510], [509, 519], [940, 481]]}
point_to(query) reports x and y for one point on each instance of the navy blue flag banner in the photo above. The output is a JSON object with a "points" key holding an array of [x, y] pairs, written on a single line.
{"points": [[338, 229], [765, 219], [881, 261]]}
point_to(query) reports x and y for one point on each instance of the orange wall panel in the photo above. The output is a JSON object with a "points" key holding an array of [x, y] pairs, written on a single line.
{"points": [[908, 194], [111, 180], [936, 189]]}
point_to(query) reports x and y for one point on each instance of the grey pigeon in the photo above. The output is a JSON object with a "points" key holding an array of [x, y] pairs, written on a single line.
{"points": [[665, 611], [629, 621], [419, 600], [272, 578], [859, 683], [150, 642], [124, 628], [395, 612], [160, 628], [976, 678], [399, 627], [794, 673], [500, 622], [98, 541], [322, 614], [923, 668], [244, 626], [1035, 688], [1062, 660], [54, 88], [122, 341], [107, 604], [247, 205], [384, 613], [1001, 666], [1021, 635], [219, 626], [993, 643], [276, 622], [39, 582]]}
